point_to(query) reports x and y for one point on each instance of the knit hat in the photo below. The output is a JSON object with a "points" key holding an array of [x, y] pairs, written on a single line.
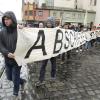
{"points": [[51, 19]]}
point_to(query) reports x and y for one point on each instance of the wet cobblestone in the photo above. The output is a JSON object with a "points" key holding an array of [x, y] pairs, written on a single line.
{"points": [[78, 78]]}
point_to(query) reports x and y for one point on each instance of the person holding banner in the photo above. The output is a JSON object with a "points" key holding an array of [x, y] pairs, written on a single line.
{"points": [[41, 25], [50, 24], [8, 41], [66, 27], [98, 38], [93, 40]]}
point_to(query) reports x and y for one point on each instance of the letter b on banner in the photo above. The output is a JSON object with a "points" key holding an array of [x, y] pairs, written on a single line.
{"points": [[58, 41]]}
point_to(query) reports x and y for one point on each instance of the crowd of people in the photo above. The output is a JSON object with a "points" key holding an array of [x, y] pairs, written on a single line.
{"points": [[50, 23], [8, 40]]}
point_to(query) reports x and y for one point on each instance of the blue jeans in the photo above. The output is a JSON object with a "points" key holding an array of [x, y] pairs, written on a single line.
{"points": [[88, 45], [68, 55], [43, 68], [13, 74], [63, 57], [98, 39]]}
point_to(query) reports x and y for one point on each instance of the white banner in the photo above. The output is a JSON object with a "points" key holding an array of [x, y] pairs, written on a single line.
{"points": [[35, 44]]}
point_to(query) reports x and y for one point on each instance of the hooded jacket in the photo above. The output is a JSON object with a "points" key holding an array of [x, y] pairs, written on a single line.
{"points": [[8, 35]]}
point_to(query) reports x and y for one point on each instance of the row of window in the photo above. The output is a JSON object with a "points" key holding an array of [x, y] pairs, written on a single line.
{"points": [[30, 13], [68, 15], [93, 2]]}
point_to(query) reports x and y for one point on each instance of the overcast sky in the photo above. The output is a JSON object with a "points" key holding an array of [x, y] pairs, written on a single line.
{"points": [[12, 5]]}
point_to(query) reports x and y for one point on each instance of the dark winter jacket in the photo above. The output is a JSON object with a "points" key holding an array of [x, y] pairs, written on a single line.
{"points": [[8, 35]]}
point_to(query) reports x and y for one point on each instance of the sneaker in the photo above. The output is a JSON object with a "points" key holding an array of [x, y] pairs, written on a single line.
{"points": [[15, 97], [52, 79], [39, 83]]}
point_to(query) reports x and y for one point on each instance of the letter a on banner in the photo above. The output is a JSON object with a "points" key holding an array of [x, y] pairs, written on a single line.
{"points": [[42, 46]]}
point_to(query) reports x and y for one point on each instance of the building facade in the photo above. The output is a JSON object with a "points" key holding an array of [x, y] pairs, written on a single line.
{"points": [[97, 19], [73, 11], [64, 3], [1, 14], [32, 14], [87, 4], [72, 16]]}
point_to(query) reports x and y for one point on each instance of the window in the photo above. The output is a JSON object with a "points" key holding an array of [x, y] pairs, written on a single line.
{"points": [[50, 3], [54, 14], [40, 13], [75, 4], [34, 13], [26, 13], [30, 12], [90, 2], [95, 2], [61, 14]]}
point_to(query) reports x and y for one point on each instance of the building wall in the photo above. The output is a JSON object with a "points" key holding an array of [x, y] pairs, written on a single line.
{"points": [[41, 15], [62, 14], [86, 4], [28, 11], [81, 4], [97, 18], [49, 2], [72, 16], [64, 3], [1, 14]]}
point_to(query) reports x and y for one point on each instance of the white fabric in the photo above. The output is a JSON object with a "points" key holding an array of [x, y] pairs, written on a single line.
{"points": [[28, 36]]}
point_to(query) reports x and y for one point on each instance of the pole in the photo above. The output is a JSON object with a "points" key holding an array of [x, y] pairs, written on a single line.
{"points": [[97, 18], [85, 18], [86, 15]]}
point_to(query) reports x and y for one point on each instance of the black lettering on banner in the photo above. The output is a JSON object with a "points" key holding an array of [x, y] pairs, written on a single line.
{"points": [[84, 40], [76, 38], [58, 41], [67, 39], [91, 34], [71, 37], [42, 46], [97, 33], [80, 38]]}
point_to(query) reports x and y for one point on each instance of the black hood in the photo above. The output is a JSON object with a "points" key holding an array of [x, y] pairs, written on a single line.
{"points": [[10, 15]]}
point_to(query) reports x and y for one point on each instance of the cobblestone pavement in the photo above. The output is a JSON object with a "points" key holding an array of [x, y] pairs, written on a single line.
{"points": [[77, 79]]}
